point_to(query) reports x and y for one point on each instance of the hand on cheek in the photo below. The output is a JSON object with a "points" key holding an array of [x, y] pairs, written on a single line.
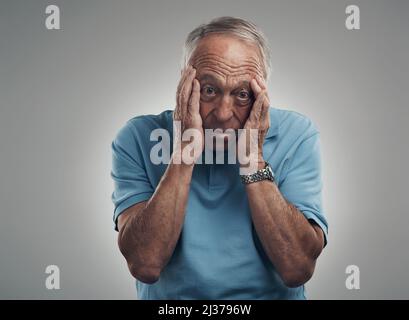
{"points": [[258, 86], [258, 119]]}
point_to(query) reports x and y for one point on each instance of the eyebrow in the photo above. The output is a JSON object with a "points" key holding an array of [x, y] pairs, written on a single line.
{"points": [[209, 77]]}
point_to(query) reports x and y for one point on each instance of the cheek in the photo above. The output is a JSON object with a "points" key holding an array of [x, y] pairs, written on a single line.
{"points": [[243, 114], [205, 109]]}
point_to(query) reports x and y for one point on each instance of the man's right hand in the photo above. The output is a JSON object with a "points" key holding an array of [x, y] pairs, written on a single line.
{"points": [[187, 111], [148, 233]]}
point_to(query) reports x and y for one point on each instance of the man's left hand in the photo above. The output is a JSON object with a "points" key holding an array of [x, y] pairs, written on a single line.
{"points": [[258, 119]]}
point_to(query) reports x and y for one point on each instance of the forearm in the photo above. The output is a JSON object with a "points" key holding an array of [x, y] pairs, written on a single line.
{"points": [[148, 238], [150, 230], [288, 238]]}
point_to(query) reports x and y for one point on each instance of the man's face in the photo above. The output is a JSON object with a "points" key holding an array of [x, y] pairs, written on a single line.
{"points": [[224, 67]]}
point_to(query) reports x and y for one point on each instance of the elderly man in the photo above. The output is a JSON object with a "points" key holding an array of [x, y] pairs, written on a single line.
{"points": [[205, 230]]}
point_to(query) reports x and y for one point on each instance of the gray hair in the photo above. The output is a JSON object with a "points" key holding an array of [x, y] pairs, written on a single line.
{"points": [[241, 28]]}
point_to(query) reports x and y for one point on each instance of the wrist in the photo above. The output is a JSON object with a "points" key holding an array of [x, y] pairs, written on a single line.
{"points": [[180, 172], [176, 160], [257, 162], [261, 164], [187, 152], [265, 173]]}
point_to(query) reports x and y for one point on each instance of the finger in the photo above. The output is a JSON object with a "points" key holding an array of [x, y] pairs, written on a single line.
{"points": [[180, 90], [263, 86], [257, 107], [255, 87], [261, 82], [260, 107], [258, 91], [180, 84], [178, 109], [187, 88], [177, 113], [194, 103], [185, 72], [265, 116], [260, 86]]}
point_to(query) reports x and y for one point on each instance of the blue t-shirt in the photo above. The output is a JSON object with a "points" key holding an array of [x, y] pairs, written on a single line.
{"points": [[218, 254]]}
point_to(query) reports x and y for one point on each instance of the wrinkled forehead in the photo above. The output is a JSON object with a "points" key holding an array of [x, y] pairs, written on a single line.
{"points": [[227, 57]]}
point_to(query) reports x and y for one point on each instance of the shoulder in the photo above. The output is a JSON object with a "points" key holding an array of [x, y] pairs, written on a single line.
{"points": [[294, 125], [290, 132], [139, 128]]}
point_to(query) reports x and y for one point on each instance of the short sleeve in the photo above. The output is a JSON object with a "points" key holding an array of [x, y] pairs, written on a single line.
{"points": [[131, 183], [302, 185]]}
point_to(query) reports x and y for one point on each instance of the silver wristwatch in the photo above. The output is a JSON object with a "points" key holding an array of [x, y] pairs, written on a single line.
{"points": [[262, 174]]}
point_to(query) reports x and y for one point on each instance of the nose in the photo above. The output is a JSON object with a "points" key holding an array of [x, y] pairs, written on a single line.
{"points": [[224, 110]]}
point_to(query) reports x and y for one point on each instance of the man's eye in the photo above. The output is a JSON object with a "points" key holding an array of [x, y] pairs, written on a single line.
{"points": [[244, 95], [208, 90]]}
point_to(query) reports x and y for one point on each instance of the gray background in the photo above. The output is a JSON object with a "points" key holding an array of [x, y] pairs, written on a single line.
{"points": [[64, 95]]}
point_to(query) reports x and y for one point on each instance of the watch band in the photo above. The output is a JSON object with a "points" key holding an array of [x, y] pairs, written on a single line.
{"points": [[262, 174]]}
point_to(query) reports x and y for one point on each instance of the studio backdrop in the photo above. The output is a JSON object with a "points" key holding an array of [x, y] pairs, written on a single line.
{"points": [[65, 92]]}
